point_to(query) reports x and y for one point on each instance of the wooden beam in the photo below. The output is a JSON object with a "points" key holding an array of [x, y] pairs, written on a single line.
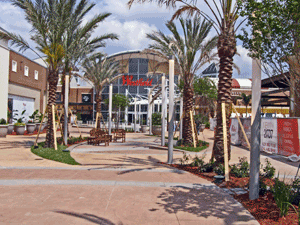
{"points": [[54, 129], [225, 142]]}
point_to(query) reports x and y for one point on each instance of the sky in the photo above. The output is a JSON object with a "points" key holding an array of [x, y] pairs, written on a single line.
{"points": [[131, 25]]}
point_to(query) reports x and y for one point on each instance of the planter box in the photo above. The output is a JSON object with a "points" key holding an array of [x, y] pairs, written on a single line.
{"points": [[30, 127], [20, 130], [3, 130], [144, 128], [156, 129], [10, 128]]}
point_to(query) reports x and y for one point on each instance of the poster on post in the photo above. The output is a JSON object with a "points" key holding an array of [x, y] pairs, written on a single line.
{"points": [[268, 134], [234, 131], [288, 141]]}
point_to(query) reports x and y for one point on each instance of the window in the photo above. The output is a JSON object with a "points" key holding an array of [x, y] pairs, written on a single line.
{"points": [[14, 66], [26, 71], [86, 98], [36, 75]]}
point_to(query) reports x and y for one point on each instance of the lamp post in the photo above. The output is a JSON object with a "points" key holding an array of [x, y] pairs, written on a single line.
{"points": [[150, 111], [135, 115], [163, 109], [126, 109], [66, 108], [110, 108], [171, 109]]}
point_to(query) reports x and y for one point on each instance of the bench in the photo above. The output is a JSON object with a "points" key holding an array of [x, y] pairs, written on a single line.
{"points": [[119, 134], [98, 136]]}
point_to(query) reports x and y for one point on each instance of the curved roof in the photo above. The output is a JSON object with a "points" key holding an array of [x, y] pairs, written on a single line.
{"points": [[239, 83]]}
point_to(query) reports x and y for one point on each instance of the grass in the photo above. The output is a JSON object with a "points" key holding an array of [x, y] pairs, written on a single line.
{"points": [[55, 155], [192, 149]]}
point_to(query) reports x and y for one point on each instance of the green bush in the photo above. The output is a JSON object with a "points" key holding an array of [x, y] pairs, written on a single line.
{"points": [[156, 119], [269, 170], [282, 194], [185, 159], [208, 167], [241, 169], [3, 122], [207, 125], [220, 169], [199, 162]]}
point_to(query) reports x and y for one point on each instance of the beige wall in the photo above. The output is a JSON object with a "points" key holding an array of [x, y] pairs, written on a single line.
{"points": [[4, 73], [15, 89]]}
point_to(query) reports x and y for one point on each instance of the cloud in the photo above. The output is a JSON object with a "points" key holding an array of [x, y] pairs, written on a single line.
{"points": [[244, 62], [132, 34]]}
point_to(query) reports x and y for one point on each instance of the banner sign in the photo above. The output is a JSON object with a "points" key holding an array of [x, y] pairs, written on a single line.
{"points": [[246, 122], [129, 82], [234, 131], [288, 141], [268, 134]]}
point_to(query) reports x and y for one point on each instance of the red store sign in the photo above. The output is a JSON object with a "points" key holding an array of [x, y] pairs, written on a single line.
{"points": [[127, 80]]}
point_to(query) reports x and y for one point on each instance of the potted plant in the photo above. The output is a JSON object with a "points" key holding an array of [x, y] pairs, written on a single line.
{"points": [[31, 126], [156, 124], [3, 128], [19, 126], [144, 126], [10, 128]]}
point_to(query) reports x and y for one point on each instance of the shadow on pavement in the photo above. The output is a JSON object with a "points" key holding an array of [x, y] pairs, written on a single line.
{"points": [[203, 202], [90, 217]]}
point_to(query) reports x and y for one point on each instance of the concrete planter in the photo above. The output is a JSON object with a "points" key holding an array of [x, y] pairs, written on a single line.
{"points": [[37, 126], [156, 129], [3, 130], [44, 126], [202, 127], [30, 127], [144, 128], [20, 130], [10, 128]]}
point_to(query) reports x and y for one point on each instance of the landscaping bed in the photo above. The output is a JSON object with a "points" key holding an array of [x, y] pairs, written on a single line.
{"points": [[264, 209], [26, 133], [201, 145]]}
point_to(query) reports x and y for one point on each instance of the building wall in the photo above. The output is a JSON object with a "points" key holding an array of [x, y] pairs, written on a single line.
{"points": [[4, 74], [28, 84]]}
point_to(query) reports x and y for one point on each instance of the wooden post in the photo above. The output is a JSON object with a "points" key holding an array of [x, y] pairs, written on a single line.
{"points": [[37, 137], [75, 122], [54, 129], [241, 125], [59, 124], [225, 142], [192, 123], [96, 120]]}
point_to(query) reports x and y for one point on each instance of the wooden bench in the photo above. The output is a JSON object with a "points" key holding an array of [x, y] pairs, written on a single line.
{"points": [[98, 136], [119, 134]]}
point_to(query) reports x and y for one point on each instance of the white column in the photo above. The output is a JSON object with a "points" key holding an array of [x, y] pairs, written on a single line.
{"points": [[180, 117], [109, 108], [126, 109], [150, 112], [66, 108], [255, 130], [4, 76], [134, 115], [171, 110], [140, 113], [163, 110]]}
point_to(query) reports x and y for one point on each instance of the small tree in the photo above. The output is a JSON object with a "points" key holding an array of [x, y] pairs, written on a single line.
{"points": [[119, 102], [246, 101]]}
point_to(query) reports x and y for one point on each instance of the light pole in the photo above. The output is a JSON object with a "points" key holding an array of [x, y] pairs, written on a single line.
{"points": [[163, 109], [126, 109], [171, 109], [66, 108], [150, 111], [135, 115], [109, 108]]}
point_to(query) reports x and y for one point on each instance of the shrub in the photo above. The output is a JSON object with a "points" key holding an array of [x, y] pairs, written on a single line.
{"points": [[207, 125], [156, 119], [184, 159], [220, 169], [198, 161], [269, 170], [3, 122], [208, 167], [241, 169], [19, 124], [295, 199], [282, 195]]}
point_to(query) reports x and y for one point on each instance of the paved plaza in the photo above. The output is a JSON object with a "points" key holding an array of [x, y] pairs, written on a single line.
{"points": [[123, 183]]}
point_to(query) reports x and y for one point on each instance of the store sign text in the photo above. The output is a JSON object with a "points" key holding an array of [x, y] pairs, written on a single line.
{"points": [[127, 80]]}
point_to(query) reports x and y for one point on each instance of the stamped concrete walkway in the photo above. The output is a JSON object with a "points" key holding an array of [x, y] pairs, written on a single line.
{"points": [[119, 184]]}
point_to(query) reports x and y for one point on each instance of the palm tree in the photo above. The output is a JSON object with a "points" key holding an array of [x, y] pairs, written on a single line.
{"points": [[224, 18], [246, 101], [78, 42], [185, 49], [100, 71]]}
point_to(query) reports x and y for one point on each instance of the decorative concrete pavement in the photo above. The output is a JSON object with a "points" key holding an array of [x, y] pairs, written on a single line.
{"points": [[123, 183]]}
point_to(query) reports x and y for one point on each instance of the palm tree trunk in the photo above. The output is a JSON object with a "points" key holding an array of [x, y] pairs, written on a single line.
{"points": [[52, 80], [226, 51], [98, 109], [188, 103]]}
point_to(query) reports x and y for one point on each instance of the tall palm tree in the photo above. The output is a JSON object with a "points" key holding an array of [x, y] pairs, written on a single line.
{"points": [[246, 101], [78, 42], [185, 49], [224, 18], [100, 71]]}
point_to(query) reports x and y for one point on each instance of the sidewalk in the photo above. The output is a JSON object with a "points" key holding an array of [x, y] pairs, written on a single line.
{"points": [[119, 184]]}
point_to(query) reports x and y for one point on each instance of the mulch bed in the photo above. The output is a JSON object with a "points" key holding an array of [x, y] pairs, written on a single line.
{"points": [[264, 209], [34, 133]]}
